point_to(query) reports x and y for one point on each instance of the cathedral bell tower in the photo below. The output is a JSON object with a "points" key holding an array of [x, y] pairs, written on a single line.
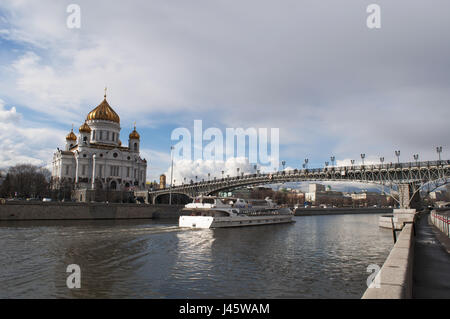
{"points": [[133, 140], [85, 135], [71, 140]]}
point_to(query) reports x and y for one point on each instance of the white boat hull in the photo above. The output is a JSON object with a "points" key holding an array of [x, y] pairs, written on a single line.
{"points": [[234, 221]]}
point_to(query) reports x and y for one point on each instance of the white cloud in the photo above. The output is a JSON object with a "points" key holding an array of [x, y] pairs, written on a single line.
{"points": [[314, 71], [10, 115], [25, 141], [201, 168]]}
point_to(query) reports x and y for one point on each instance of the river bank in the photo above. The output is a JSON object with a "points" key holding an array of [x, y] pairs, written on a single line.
{"points": [[78, 211], [341, 211], [15, 211]]}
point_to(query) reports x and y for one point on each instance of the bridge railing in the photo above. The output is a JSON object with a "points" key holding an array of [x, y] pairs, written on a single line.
{"points": [[309, 171]]}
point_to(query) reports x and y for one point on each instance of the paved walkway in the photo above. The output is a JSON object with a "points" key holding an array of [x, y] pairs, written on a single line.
{"points": [[431, 269]]}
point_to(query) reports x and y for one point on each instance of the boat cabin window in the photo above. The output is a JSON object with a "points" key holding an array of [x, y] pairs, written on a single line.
{"points": [[208, 201]]}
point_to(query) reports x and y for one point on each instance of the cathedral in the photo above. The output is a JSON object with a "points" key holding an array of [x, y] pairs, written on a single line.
{"points": [[95, 166]]}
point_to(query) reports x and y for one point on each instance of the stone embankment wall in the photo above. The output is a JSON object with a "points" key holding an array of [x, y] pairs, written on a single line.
{"points": [[441, 219], [70, 211], [399, 218], [337, 211], [394, 280]]}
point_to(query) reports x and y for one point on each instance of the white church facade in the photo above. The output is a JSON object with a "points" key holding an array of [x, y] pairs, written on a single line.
{"points": [[96, 160]]}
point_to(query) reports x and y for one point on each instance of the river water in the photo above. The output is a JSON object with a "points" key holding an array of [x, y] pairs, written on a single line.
{"points": [[315, 257]]}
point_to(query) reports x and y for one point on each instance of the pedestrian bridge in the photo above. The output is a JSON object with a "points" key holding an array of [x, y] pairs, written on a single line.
{"points": [[408, 178]]}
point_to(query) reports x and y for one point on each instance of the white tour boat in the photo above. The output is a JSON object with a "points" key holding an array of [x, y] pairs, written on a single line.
{"points": [[213, 212]]}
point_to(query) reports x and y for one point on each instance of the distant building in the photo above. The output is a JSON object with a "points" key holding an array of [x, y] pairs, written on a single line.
{"points": [[313, 188], [241, 193], [162, 181], [318, 195], [370, 198]]}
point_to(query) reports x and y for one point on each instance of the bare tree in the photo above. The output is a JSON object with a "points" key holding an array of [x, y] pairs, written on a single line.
{"points": [[26, 180]]}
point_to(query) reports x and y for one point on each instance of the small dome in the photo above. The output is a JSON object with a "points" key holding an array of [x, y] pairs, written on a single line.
{"points": [[134, 134], [71, 136], [85, 128]]}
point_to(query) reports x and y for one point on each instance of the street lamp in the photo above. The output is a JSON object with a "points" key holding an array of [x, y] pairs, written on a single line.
{"points": [[306, 162], [416, 158], [397, 153], [223, 173], [332, 158], [363, 156], [439, 151], [283, 163], [326, 164], [171, 175], [209, 174], [353, 162], [237, 169]]}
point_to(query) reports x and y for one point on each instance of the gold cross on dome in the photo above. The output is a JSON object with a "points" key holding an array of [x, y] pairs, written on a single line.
{"points": [[105, 92]]}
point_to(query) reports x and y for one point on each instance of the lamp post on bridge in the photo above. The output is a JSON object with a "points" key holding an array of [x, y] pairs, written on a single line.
{"points": [[223, 173], [416, 158], [363, 156], [397, 153], [326, 164], [237, 169], [283, 163], [306, 163], [332, 158], [171, 174], [439, 151], [381, 160], [353, 162]]}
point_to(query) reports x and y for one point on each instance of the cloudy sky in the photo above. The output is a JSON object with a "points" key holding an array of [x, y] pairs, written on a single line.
{"points": [[311, 68]]}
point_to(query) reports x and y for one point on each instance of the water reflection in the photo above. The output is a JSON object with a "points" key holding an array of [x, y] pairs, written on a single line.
{"points": [[318, 256]]}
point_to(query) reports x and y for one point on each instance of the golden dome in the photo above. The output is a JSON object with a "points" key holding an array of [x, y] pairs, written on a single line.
{"points": [[134, 134], [71, 136], [103, 112], [85, 128]]}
